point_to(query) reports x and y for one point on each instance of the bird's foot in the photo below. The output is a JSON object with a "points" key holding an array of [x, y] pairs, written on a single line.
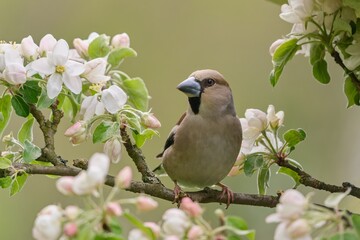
{"points": [[179, 194], [226, 192]]}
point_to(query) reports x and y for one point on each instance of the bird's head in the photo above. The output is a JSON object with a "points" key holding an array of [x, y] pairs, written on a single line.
{"points": [[208, 93]]}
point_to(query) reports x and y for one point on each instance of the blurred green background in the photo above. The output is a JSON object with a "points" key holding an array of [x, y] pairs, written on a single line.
{"points": [[174, 38]]}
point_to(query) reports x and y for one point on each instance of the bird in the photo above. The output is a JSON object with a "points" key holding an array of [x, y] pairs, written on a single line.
{"points": [[203, 146]]}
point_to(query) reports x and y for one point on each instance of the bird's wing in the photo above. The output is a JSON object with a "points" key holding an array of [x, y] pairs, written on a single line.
{"points": [[171, 137]]}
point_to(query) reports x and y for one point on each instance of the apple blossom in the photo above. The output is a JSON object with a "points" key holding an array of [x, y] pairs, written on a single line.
{"points": [[137, 234], [60, 70], [47, 225], [123, 178], [113, 98], [175, 222], [71, 212], [113, 209], [87, 182], [297, 11], [82, 46], [299, 228], [192, 208], [47, 44], [14, 72], [275, 119], [91, 106], [144, 203], [29, 49], [120, 40], [64, 185], [112, 148], [154, 228], [95, 71], [77, 132], [195, 232]]}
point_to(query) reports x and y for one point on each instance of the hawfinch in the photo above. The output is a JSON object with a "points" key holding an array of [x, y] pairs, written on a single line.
{"points": [[203, 146]]}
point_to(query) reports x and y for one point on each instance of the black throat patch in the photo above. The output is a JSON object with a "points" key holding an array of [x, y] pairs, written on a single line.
{"points": [[194, 104]]}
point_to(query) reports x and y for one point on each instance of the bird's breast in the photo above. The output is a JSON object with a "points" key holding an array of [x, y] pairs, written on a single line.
{"points": [[204, 150]]}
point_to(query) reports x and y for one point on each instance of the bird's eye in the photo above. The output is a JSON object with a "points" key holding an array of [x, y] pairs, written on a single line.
{"points": [[209, 82]]}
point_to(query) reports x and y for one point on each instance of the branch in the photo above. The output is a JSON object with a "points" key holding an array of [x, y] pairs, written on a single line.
{"points": [[48, 129], [309, 181], [351, 74], [154, 189], [136, 155]]}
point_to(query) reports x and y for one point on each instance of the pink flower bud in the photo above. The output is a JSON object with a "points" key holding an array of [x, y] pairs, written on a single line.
{"points": [[120, 40], [65, 184], [190, 207], [77, 132], [112, 148], [150, 121], [154, 228], [123, 178], [144, 203], [70, 229], [81, 46], [195, 232], [114, 209]]}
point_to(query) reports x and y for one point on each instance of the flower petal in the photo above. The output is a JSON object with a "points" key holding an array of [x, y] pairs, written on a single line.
{"points": [[54, 85], [113, 98], [42, 65], [74, 84], [61, 53], [74, 68]]}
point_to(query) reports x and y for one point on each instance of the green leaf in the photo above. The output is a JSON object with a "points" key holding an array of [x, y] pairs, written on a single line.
{"points": [[44, 101], [294, 176], [30, 91], [26, 130], [86, 232], [115, 226], [295, 163], [351, 92], [21, 108], [138, 224], [317, 52], [282, 55], [356, 223], [344, 236], [108, 236], [5, 163], [69, 105], [146, 134], [263, 179], [340, 25], [99, 47], [294, 136], [105, 130], [31, 151], [5, 182], [320, 71], [5, 110], [238, 223], [138, 94], [355, 4], [252, 163], [18, 183], [117, 55]]}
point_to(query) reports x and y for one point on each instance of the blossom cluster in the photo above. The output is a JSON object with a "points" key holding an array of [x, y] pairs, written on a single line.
{"points": [[298, 218], [259, 134]]}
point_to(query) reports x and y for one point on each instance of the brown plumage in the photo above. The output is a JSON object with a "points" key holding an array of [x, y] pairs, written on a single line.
{"points": [[203, 146]]}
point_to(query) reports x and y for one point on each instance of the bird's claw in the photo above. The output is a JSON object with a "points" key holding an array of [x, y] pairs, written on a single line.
{"points": [[226, 192], [179, 194]]}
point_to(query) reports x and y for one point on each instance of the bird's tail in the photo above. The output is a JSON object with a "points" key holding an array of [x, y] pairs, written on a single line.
{"points": [[160, 171]]}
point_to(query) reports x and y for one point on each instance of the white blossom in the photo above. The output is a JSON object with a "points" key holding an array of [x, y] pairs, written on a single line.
{"points": [[297, 11], [47, 225], [28, 48], [95, 71], [60, 70], [14, 71]]}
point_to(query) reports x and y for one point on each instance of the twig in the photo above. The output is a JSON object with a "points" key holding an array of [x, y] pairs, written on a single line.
{"points": [[48, 129]]}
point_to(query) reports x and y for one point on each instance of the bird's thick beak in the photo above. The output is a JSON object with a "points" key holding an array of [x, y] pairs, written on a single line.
{"points": [[190, 87]]}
